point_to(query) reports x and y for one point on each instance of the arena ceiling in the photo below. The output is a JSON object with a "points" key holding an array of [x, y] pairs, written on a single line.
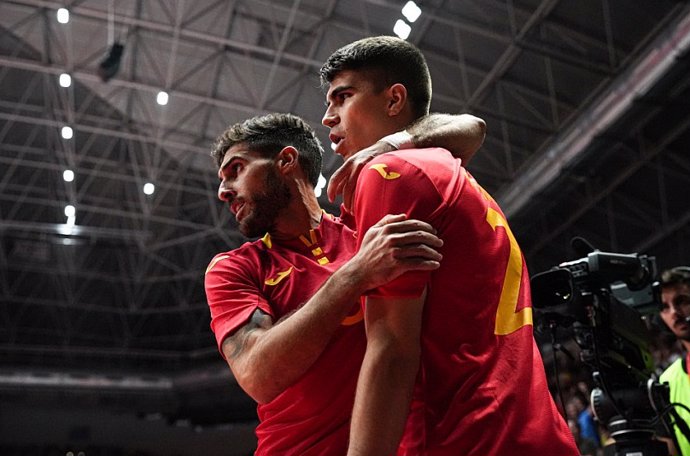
{"points": [[587, 107]]}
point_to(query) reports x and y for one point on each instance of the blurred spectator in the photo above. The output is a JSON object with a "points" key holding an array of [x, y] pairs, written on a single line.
{"points": [[587, 447], [675, 311], [579, 411]]}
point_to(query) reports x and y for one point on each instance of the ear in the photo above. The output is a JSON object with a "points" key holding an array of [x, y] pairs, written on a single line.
{"points": [[397, 99], [286, 160]]}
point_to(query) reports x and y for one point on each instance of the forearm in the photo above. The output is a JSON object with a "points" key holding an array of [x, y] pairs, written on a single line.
{"points": [[384, 393], [272, 360], [461, 134], [266, 358], [388, 374]]}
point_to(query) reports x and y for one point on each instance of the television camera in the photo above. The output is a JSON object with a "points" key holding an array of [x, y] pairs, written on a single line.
{"points": [[606, 299]]}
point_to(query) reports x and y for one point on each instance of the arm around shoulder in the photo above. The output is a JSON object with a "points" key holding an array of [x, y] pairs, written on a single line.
{"points": [[461, 134]]}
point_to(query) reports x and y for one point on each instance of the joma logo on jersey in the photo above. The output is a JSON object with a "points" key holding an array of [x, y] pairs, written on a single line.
{"points": [[381, 168], [278, 278]]}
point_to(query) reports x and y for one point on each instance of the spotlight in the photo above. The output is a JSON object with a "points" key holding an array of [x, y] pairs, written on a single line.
{"points": [[402, 29], [411, 11], [65, 80], [320, 185], [162, 98], [111, 64], [63, 15], [67, 132]]}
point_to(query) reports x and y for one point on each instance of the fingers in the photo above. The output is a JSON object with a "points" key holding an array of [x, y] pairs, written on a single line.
{"points": [[349, 193], [417, 237], [419, 264], [391, 218], [420, 252], [404, 225], [350, 184], [401, 232], [344, 180], [336, 182]]}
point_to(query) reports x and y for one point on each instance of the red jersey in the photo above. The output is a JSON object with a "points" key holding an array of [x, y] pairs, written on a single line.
{"points": [[482, 389], [311, 417]]}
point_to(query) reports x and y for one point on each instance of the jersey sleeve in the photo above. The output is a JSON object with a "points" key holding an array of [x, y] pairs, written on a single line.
{"points": [[392, 185], [232, 294]]}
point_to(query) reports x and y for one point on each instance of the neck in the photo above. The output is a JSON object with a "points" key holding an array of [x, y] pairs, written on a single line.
{"points": [[302, 214], [400, 123]]}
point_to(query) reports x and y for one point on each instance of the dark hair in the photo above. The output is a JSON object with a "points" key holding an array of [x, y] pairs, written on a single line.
{"points": [[387, 60], [675, 276], [268, 135]]}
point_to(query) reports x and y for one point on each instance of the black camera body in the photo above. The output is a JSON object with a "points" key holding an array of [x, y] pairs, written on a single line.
{"points": [[605, 298]]}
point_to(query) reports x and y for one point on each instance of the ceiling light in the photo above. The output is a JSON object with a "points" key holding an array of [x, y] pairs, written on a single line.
{"points": [[320, 185], [70, 211], [149, 188], [65, 80], [68, 175], [402, 29], [67, 132], [63, 15], [68, 228], [411, 11], [162, 98]]}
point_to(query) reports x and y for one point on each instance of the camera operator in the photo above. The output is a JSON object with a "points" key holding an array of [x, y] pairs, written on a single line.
{"points": [[675, 313]]}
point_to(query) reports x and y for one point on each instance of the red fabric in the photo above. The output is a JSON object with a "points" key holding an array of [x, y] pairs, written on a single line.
{"points": [[478, 393], [312, 417]]}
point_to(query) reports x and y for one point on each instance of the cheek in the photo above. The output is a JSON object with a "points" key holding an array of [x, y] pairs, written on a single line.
{"points": [[667, 318], [351, 114]]}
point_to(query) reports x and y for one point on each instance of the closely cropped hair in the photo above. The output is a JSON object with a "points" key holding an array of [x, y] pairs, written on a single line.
{"points": [[268, 135], [387, 60], [675, 276]]}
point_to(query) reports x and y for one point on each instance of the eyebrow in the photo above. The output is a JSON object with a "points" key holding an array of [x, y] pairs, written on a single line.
{"points": [[338, 90], [224, 164]]}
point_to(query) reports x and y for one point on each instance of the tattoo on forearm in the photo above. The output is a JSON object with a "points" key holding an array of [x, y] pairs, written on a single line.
{"points": [[238, 341]]}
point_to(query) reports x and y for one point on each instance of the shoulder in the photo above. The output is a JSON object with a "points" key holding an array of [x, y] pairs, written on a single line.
{"points": [[247, 255], [672, 371], [408, 163], [415, 157], [430, 167]]}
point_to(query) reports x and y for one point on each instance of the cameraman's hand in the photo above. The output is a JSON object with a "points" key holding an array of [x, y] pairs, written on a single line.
{"points": [[344, 180], [393, 247]]}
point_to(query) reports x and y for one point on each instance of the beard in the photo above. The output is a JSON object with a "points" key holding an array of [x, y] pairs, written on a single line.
{"points": [[267, 206]]}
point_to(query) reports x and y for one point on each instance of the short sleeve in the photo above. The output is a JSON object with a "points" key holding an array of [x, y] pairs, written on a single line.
{"points": [[232, 294], [391, 185]]}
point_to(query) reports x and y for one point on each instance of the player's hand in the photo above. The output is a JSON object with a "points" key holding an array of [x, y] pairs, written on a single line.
{"points": [[393, 247], [344, 180]]}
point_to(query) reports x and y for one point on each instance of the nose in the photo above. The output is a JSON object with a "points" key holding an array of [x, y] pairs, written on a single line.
{"points": [[224, 193], [330, 118]]}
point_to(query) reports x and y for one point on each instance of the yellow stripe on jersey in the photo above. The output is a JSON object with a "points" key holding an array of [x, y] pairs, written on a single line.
{"points": [[267, 241], [215, 260]]}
